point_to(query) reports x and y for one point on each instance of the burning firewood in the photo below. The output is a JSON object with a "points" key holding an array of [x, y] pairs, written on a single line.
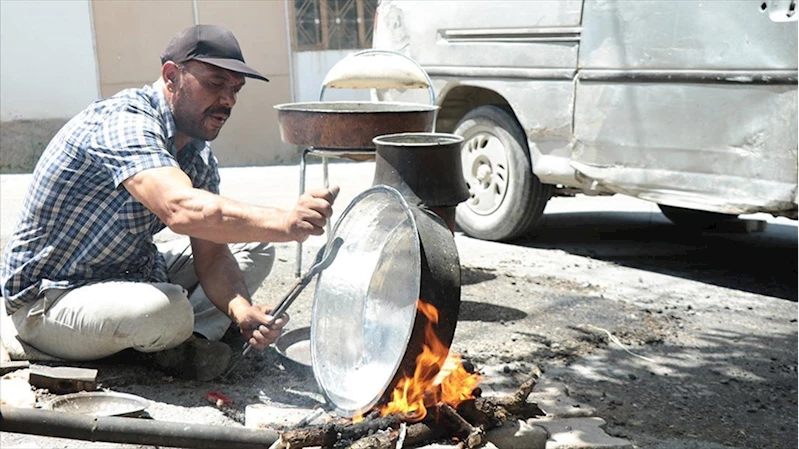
{"points": [[381, 432], [437, 400], [467, 423]]}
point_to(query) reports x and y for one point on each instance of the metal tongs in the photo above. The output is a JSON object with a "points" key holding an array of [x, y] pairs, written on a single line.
{"points": [[324, 257]]}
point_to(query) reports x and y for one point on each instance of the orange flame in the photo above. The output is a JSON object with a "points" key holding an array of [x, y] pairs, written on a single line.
{"points": [[439, 376]]}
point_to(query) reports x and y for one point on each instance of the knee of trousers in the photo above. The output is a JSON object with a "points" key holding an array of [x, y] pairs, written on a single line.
{"points": [[166, 324], [256, 261]]}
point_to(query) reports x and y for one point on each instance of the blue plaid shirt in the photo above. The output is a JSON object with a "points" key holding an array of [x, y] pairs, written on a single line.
{"points": [[78, 224]]}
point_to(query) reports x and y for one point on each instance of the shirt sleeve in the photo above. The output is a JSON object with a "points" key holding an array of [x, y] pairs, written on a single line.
{"points": [[131, 140], [209, 180]]}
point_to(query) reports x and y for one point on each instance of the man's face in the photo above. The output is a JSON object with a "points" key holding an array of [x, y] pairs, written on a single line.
{"points": [[203, 98]]}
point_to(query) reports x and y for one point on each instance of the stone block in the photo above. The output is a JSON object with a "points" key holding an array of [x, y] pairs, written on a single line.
{"points": [[579, 433], [554, 399], [518, 435], [16, 392], [265, 416]]}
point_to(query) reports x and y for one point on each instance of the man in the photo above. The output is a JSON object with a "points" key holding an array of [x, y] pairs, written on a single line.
{"points": [[81, 276]]}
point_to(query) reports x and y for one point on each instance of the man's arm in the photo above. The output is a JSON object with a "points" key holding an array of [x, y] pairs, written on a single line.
{"points": [[169, 194], [223, 283]]}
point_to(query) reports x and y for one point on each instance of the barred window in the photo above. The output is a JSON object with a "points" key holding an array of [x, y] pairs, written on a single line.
{"points": [[332, 24]]}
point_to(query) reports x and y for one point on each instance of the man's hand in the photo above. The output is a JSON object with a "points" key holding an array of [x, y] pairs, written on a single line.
{"points": [[311, 213], [260, 328]]}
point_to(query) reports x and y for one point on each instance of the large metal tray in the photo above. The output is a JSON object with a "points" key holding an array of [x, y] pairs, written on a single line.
{"points": [[350, 124]]}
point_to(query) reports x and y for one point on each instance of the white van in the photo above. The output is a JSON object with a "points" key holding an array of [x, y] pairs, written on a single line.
{"points": [[690, 104]]}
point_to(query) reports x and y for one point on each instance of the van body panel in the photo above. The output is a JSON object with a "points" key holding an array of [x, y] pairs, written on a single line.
{"points": [[725, 147], [463, 34], [695, 100], [698, 35], [690, 104]]}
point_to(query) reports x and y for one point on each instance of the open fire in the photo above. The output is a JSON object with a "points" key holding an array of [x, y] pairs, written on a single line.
{"points": [[439, 383], [439, 377]]}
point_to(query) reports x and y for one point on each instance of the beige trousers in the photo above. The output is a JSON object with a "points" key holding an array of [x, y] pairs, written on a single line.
{"points": [[101, 319]]}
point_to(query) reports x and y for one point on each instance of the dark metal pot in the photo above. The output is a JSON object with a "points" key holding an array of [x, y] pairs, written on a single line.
{"points": [[350, 124], [425, 168], [366, 329]]}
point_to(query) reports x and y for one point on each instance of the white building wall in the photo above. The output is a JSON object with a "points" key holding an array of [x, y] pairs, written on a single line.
{"points": [[309, 70], [47, 64]]}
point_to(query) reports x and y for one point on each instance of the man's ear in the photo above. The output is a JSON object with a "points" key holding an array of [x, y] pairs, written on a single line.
{"points": [[170, 74]]}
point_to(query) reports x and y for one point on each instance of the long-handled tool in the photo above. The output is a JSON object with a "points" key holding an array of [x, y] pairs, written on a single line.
{"points": [[324, 257]]}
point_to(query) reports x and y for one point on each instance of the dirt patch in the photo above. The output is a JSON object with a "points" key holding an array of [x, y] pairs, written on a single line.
{"points": [[661, 374]]}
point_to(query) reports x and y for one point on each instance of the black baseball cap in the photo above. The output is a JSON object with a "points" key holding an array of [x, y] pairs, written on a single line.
{"points": [[211, 44]]}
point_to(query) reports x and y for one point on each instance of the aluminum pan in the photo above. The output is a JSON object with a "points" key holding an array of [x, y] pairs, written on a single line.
{"points": [[365, 302]]}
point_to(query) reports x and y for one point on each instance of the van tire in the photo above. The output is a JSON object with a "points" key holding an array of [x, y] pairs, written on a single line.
{"points": [[696, 219], [506, 198]]}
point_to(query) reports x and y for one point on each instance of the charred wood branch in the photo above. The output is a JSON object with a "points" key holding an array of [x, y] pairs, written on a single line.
{"points": [[384, 440], [417, 433], [470, 435], [481, 412], [336, 434], [324, 435], [422, 432], [517, 405], [527, 387], [490, 412], [355, 431]]}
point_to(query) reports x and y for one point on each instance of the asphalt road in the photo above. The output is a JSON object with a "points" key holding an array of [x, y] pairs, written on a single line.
{"points": [[679, 339]]}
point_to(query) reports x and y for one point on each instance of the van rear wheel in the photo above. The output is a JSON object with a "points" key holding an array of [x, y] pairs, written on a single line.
{"points": [[505, 199]]}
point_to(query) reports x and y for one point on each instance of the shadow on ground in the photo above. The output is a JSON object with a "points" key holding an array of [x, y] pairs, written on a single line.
{"points": [[761, 262], [742, 394]]}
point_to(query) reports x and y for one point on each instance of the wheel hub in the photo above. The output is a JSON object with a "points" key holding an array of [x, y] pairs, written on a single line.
{"points": [[483, 174], [485, 169]]}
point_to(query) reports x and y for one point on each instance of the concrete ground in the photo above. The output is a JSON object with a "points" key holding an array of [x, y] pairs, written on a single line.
{"points": [[650, 336]]}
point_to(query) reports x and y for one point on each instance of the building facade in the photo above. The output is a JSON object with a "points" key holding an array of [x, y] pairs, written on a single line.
{"points": [[58, 56]]}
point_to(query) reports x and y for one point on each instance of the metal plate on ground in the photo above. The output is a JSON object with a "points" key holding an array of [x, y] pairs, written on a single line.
{"points": [[295, 348], [100, 403]]}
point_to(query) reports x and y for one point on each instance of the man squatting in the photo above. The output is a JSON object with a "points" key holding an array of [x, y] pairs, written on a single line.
{"points": [[82, 278]]}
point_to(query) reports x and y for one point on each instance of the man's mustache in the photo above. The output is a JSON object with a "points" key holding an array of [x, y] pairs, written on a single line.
{"points": [[220, 110]]}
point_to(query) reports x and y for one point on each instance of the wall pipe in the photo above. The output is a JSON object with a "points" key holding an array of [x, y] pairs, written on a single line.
{"points": [[131, 430]]}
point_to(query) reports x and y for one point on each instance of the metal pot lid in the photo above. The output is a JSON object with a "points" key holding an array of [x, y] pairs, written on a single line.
{"points": [[100, 403], [365, 302]]}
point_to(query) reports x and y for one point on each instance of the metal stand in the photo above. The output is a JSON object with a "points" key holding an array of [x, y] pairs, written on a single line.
{"points": [[359, 155], [347, 70]]}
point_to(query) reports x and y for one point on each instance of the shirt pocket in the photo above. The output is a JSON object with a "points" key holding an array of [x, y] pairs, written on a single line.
{"points": [[134, 218]]}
